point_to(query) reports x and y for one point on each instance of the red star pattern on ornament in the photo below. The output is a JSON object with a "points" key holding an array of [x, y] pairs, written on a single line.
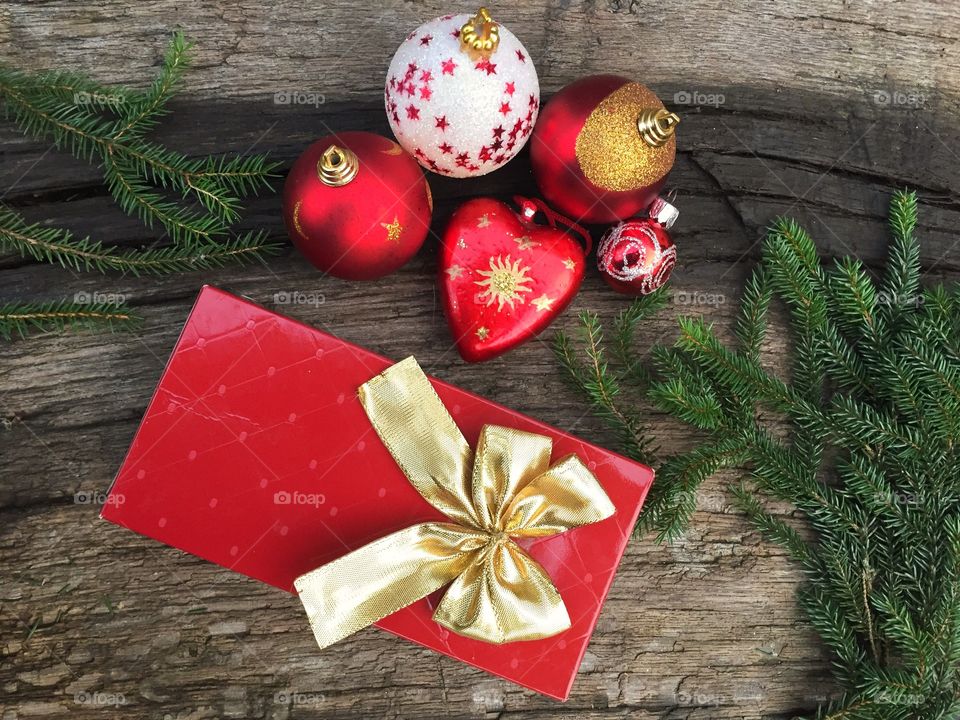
{"points": [[487, 66], [415, 83]]}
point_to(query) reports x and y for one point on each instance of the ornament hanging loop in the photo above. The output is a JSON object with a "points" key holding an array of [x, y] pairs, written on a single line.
{"points": [[656, 126], [480, 35], [530, 207], [337, 166]]}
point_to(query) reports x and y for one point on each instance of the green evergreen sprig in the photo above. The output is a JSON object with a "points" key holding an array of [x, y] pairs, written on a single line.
{"points": [[602, 383], [18, 319], [195, 200], [870, 460], [56, 245]]}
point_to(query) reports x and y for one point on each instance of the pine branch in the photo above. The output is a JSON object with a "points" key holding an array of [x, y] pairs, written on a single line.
{"points": [[603, 388], [72, 87], [901, 285], [879, 567], [625, 326], [598, 384], [679, 477], [871, 461], [752, 324], [19, 319], [566, 354], [194, 200], [55, 245], [143, 113], [772, 527], [136, 197]]}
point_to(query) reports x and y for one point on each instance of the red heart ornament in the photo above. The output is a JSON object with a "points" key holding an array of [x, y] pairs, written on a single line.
{"points": [[503, 277]]}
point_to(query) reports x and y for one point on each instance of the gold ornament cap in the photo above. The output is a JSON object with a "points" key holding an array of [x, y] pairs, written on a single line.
{"points": [[656, 126], [337, 166], [480, 35]]}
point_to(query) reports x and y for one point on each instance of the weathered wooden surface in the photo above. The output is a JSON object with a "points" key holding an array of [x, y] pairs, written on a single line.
{"points": [[98, 622]]}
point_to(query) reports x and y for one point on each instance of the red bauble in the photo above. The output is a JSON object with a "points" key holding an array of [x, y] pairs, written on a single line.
{"points": [[503, 277], [356, 205], [636, 257], [602, 148]]}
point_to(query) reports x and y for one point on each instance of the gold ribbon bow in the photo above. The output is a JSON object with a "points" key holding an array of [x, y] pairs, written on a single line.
{"points": [[497, 593]]}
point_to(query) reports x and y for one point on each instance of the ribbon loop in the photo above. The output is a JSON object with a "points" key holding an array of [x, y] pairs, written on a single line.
{"points": [[566, 496], [497, 592], [506, 460]]}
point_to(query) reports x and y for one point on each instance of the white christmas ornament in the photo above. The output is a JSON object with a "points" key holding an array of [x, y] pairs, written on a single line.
{"points": [[462, 95]]}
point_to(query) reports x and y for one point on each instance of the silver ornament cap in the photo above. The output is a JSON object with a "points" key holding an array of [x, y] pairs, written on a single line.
{"points": [[663, 212]]}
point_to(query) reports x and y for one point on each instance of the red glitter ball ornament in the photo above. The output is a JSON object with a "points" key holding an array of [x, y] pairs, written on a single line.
{"points": [[636, 257]]}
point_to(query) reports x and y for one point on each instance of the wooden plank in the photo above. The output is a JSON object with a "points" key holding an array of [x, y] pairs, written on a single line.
{"points": [[91, 608], [824, 110]]}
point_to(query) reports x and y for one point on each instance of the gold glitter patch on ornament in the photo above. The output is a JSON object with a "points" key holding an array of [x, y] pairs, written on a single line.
{"points": [[609, 148]]}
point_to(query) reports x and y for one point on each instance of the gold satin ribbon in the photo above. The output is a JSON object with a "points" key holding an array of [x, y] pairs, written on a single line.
{"points": [[497, 592]]}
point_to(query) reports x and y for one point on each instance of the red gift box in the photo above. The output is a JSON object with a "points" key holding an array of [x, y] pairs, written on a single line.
{"points": [[256, 454]]}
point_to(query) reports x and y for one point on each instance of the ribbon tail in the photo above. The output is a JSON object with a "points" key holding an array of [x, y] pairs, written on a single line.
{"points": [[388, 574], [421, 436]]}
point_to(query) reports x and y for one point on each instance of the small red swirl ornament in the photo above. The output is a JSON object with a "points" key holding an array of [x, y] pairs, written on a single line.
{"points": [[637, 256]]}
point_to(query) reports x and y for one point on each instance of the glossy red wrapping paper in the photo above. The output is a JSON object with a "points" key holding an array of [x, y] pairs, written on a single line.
{"points": [[256, 454]]}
